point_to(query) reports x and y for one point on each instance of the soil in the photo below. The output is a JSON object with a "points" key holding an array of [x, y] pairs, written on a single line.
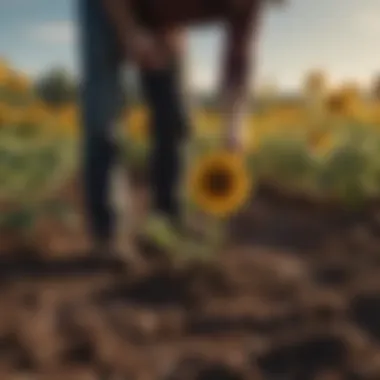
{"points": [[294, 295]]}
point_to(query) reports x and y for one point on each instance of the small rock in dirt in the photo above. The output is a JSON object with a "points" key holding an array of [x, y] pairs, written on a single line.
{"points": [[365, 312], [219, 372], [308, 356], [333, 275]]}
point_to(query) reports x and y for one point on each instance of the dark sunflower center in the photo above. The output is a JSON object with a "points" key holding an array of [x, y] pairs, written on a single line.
{"points": [[218, 182], [337, 104]]}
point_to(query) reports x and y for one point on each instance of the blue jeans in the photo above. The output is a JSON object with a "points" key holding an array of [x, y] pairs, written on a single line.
{"points": [[101, 104]]}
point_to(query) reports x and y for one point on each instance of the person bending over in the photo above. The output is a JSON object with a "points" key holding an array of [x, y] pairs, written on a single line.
{"points": [[151, 35]]}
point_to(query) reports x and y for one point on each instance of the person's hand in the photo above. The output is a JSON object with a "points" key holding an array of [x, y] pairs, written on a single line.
{"points": [[233, 141], [144, 50], [233, 132]]}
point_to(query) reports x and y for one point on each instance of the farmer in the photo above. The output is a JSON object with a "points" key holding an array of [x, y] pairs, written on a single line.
{"points": [[150, 34]]}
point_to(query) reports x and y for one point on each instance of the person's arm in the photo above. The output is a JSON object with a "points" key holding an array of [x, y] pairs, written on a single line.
{"points": [[242, 34], [137, 44], [121, 16]]}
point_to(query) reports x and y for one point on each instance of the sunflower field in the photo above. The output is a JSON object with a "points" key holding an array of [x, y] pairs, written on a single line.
{"points": [[324, 142]]}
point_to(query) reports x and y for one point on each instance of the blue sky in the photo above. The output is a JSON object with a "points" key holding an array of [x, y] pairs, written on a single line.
{"points": [[341, 36]]}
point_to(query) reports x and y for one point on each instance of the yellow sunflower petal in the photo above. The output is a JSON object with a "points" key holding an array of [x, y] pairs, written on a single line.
{"points": [[219, 183]]}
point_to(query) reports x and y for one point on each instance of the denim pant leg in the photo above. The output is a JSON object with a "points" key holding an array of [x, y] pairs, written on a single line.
{"points": [[101, 105], [163, 92]]}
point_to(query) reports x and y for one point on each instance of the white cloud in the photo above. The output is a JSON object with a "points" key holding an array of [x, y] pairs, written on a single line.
{"points": [[54, 32]]}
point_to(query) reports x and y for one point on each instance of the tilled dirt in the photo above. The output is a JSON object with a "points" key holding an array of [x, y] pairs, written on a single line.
{"points": [[294, 296]]}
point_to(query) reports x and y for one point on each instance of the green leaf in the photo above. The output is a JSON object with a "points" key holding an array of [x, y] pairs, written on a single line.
{"points": [[19, 220]]}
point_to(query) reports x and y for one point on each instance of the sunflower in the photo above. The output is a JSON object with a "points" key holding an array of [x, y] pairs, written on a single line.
{"points": [[319, 141], [35, 114], [137, 124], [4, 71], [18, 83], [68, 118], [9, 115], [344, 101], [4, 114], [219, 183], [338, 104]]}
